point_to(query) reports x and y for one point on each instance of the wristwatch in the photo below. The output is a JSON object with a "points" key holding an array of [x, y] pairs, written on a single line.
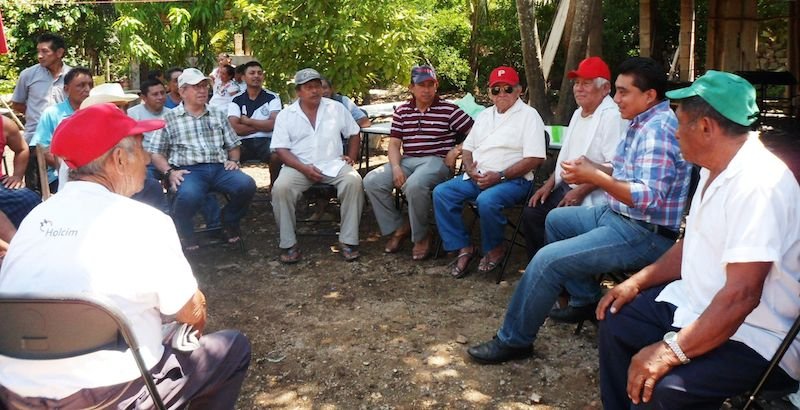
{"points": [[671, 339], [502, 176]]}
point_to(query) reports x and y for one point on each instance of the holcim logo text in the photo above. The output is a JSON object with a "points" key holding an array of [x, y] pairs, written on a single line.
{"points": [[46, 226]]}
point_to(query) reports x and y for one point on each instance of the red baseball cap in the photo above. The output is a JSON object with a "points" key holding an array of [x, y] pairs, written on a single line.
{"points": [[92, 131], [503, 74], [591, 67]]}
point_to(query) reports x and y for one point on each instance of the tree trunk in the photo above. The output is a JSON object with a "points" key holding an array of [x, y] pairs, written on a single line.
{"points": [[575, 53], [537, 94], [595, 47]]}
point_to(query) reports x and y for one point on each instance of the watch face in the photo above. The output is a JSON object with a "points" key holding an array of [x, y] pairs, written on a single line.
{"points": [[670, 336]]}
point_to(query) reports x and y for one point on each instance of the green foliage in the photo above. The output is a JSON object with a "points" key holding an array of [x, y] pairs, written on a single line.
{"points": [[86, 28], [357, 43], [499, 41], [165, 35], [447, 44]]}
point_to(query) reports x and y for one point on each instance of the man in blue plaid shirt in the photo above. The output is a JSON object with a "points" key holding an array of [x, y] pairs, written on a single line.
{"points": [[647, 187], [198, 152]]}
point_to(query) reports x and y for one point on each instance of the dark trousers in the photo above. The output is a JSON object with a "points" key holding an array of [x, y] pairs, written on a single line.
{"points": [[533, 219], [727, 371], [209, 377]]}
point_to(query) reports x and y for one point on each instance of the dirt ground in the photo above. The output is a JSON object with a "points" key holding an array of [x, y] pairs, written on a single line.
{"points": [[383, 332]]}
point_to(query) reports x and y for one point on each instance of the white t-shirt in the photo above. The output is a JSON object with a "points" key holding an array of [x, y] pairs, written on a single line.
{"points": [[140, 113], [749, 213], [89, 240], [595, 137], [320, 145], [498, 141]]}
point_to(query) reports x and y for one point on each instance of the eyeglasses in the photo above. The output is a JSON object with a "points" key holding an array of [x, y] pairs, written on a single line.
{"points": [[507, 89]]}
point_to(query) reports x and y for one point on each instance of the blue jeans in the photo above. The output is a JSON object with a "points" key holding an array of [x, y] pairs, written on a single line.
{"points": [[448, 204], [204, 178], [726, 371], [152, 194], [210, 209], [585, 241]]}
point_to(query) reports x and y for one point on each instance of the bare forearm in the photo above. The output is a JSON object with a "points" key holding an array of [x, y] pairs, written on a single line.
{"points": [[19, 107], [194, 311], [289, 159], [353, 146], [160, 162], [727, 310], [522, 167], [235, 153], [21, 163], [394, 152], [262, 125]]}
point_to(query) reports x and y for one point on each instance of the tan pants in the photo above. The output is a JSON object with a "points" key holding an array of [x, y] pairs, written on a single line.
{"points": [[291, 184]]}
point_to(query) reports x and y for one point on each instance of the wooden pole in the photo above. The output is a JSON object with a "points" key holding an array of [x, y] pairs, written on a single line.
{"points": [[687, 38]]}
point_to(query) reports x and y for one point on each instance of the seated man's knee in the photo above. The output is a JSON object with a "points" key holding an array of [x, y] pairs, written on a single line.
{"points": [[487, 204]]}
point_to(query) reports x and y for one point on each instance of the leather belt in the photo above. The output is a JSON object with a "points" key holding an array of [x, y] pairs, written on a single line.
{"points": [[658, 229]]}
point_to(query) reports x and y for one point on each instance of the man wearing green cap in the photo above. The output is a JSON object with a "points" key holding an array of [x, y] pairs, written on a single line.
{"points": [[701, 323]]}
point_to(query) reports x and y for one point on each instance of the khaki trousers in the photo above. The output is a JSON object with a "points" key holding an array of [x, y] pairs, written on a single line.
{"points": [[291, 184]]}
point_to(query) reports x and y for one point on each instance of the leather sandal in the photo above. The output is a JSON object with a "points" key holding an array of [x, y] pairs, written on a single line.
{"points": [[458, 272], [190, 245], [396, 240], [291, 255], [487, 265], [422, 249], [349, 252], [231, 234]]}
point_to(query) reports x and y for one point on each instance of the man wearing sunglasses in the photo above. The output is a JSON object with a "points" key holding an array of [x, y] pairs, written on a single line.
{"points": [[506, 144]]}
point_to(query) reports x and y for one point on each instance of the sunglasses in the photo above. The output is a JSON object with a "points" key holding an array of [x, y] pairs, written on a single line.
{"points": [[507, 89]]}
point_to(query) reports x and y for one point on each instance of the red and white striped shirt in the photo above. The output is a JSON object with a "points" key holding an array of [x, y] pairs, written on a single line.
{"points": [[433, 132]]}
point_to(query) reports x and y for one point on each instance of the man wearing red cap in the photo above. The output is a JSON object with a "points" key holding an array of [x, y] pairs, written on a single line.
{"points": [[500, 153], [75, 243], [594, 131]]}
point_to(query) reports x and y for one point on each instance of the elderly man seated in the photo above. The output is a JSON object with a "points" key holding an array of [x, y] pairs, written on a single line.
{"points": [[594, 131], [427, 129], [503, 148], [308, 140], [198, 152], [701, 323], [73, 244]]}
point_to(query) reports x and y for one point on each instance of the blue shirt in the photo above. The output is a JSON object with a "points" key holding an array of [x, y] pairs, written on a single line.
{"points": [[649, 158], [51, 117]]}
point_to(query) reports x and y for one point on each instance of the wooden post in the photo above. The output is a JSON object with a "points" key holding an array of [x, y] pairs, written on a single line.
{"points": [[711, 35], [686, 55]]}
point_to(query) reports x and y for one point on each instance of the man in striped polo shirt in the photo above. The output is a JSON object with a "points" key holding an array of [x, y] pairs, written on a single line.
{"points": [[427, 128]]}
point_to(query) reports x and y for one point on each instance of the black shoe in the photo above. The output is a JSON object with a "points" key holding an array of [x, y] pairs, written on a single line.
{"points": [[494, 352], [571, 314]]}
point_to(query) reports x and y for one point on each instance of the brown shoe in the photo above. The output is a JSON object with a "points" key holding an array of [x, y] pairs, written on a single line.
{"points": [[422, 248], [396, 240]]}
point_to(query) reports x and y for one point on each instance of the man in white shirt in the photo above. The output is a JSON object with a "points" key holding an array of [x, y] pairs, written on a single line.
{"points": [[701, 323], [72, 244], [308, 140], [594, 131], [504, 146]]}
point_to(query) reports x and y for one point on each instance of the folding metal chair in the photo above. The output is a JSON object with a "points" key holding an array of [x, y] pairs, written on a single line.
{"points": [[773, 364], [48, 327]]}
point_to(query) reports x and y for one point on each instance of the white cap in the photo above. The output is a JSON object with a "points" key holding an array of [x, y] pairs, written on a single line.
{"points": [[108, 93], [191, 76], [305, 75]]}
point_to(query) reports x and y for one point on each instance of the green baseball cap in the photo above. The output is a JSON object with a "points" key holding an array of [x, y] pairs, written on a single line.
{"points": [[731, 95]]}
